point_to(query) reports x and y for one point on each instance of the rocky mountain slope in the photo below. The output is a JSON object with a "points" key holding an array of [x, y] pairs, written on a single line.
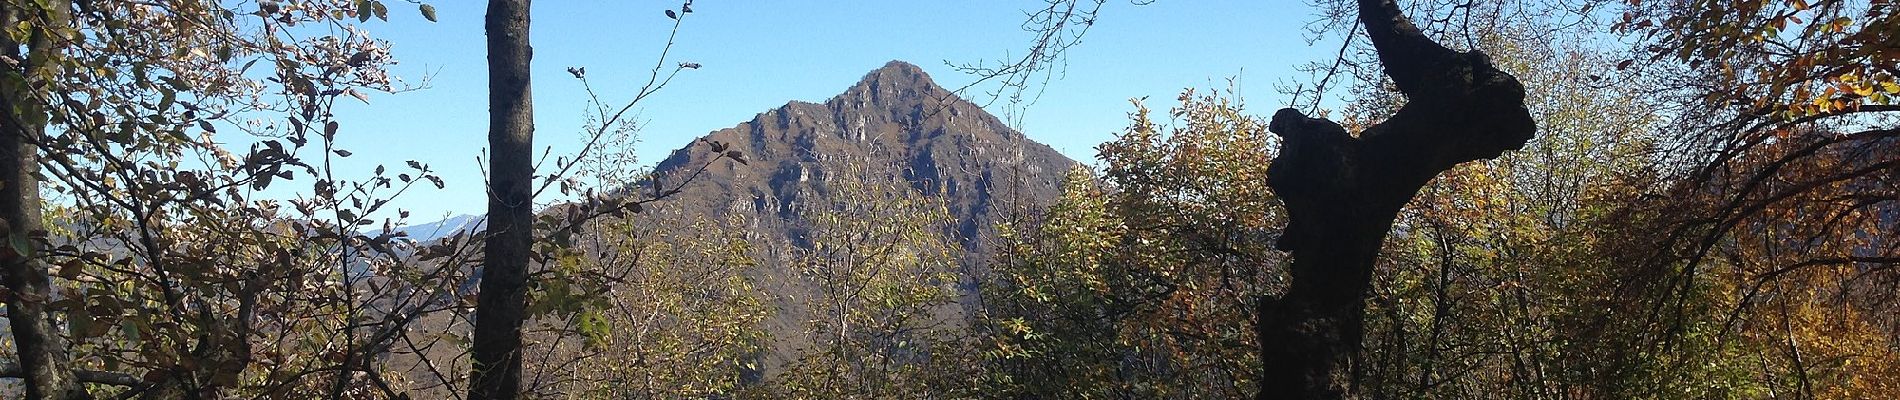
{"points": [[942, 145], [895, 125]]}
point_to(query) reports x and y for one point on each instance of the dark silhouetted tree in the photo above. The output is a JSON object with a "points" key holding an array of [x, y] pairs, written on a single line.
{"points": [[1343, 192]]}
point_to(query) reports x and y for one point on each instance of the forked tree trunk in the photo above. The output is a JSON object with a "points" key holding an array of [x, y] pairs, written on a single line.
{"points": [[501, 305], [42, 352], [1342, 194]]}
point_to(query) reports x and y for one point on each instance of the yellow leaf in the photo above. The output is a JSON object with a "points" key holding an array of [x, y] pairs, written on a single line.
{"points": [[1864, 90]]}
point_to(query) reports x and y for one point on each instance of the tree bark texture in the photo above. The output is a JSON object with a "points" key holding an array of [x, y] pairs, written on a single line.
{"points": [[1342, 194], [42, 351], [501, 304]]}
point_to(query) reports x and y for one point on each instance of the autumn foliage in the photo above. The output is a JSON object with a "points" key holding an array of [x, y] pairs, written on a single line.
{"points": [[1707, 210]]}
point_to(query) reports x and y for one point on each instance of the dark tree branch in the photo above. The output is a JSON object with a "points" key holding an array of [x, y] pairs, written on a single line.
{"points": [[11, 370]]}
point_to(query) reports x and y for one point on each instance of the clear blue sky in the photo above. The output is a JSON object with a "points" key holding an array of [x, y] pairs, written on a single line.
{"points": [[758, 55]]}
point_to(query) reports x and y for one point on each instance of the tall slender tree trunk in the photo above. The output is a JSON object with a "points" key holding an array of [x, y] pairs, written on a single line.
{"points": [[42, 352], [500, 307], [1342, 194]]}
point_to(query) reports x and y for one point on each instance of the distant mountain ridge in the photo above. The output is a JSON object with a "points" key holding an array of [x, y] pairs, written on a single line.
{"points": [[449, 226]]}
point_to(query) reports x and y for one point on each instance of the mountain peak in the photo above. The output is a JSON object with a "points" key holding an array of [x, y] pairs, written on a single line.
{"points": [[897, 76], [896, 117], [901, 67], [895, 131]]}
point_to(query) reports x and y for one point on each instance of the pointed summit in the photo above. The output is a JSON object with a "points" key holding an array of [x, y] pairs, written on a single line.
{"points": [[894, 120], [896, 81], [901, 65], [897, 73]]}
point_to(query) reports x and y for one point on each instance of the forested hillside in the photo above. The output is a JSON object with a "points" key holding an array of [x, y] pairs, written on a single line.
{"points": [[815, 172], [1592, 199]]}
